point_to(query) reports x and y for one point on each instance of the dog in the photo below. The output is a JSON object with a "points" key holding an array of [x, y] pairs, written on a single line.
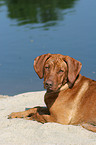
{"points": [[70, 97]]}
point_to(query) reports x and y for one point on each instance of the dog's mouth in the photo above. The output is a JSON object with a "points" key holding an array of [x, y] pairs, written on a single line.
{"points": [[50, 87], [53, 90], [50, 90]]}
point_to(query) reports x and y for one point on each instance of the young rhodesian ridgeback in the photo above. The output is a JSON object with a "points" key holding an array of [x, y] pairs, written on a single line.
{"points": [[70, 97]]}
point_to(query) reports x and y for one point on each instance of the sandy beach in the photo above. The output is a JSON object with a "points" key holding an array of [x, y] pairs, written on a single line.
{"points": [[27, 132]]}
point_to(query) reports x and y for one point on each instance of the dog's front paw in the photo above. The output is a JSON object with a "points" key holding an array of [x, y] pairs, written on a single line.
{"points": [[15, 115]]}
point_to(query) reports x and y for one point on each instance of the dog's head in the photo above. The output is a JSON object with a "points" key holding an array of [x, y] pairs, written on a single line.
{"points": [[57, 70]]}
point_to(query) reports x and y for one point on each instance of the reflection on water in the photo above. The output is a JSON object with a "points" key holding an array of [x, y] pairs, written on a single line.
{"points": [[38, 11]]}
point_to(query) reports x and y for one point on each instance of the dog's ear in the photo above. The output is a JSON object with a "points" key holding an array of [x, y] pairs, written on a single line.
{"points": [[39, 64], [74, 68]]}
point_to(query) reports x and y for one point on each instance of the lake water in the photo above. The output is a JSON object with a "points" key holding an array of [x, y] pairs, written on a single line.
{"points": [[30, 28]]}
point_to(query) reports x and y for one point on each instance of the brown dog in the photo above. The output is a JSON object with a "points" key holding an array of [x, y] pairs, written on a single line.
{"points": [[70, 97]]}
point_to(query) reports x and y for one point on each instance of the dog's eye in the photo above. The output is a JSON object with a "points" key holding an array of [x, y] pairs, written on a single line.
{"points": [[46, 67], [61, 71]]}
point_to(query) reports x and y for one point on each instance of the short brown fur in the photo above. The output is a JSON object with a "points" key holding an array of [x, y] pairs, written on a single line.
{"points": [[70, 97]]}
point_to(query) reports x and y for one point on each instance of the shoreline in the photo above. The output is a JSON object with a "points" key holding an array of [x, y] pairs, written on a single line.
{"points": [[4, 96]]}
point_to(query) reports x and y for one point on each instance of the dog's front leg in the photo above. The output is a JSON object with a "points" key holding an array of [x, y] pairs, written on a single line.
{"points": [[23, 114], [41, 115], [41, 118]]}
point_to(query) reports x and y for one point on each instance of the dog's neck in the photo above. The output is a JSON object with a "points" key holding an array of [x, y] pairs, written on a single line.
{"points": [[65, 87], [69, 85]]}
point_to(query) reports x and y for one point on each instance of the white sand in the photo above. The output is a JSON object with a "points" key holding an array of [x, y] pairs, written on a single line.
{"points": [[27, 132]]}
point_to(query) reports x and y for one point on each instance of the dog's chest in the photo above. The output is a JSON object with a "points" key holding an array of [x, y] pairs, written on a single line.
{"points": [[61, 108], [65, 108]]}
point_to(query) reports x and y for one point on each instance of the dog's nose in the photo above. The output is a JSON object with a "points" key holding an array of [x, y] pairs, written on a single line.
{"points": [[48, 84]]}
